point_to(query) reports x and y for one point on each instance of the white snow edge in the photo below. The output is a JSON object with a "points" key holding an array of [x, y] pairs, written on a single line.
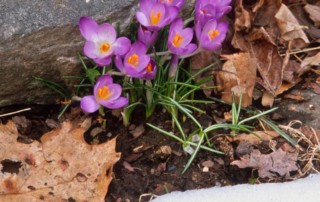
{"points": [[306, 189]]}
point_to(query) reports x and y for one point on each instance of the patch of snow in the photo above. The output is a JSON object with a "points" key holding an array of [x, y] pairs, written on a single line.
{"points": [[306, 189]]}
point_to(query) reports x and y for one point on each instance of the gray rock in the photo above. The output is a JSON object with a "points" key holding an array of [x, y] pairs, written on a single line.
{"points": [[40, 38]]}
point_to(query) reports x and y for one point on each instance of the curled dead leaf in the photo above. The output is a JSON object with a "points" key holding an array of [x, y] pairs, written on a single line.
{"points": [[314, 13], [310, 61], [290, 28]]}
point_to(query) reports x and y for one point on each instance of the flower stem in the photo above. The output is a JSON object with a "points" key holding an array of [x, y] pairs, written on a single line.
{"points": [[159, 53]]}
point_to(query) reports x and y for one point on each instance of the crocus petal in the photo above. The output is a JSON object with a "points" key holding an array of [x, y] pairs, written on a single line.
{"points": [[88, 104], [190, 49], [171, 13], [115, 90], [121, 46], [90, 50], [146, 5], [187, 36], [142, 18], [177, 25], [103, 80], [183, 50], [197, 30], [107, 33], [138, 48], [143, 62], [88, 28], [103, 61], [158, 8], [119, 64], [116, 104]]}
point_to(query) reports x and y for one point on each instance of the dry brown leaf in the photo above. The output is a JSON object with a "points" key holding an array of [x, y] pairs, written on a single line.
{"points": [[138, 131], [279, 162], [314, 13], [198, 62], [253, 139], [62, 167], [243, 18], [298, 98], [264, 16], [238, 76], [269, 62], [290, 28], [267, 99], [310, 61]]}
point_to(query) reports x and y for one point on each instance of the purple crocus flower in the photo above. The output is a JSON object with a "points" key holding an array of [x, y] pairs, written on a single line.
{"points": [[212, 34], [106, 93], [206, 10], [179, 39], [136, 62], [178, 3], [102, 42], [146, 36], [155, 15]]}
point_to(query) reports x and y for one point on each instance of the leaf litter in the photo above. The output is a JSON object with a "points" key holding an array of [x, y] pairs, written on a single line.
{"points": [[60, 167]]}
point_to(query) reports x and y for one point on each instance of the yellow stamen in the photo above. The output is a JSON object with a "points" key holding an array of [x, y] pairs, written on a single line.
{"points": [[104, 93], [149, 68], [213, 34], [169, 1], [133, 60], [177, 40], [155, 18], [104, 47]]}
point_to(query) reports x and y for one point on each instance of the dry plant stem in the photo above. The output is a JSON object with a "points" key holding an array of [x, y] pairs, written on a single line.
{"points": [[311, 153], [153, 196], [302, 51], [16, 112]]}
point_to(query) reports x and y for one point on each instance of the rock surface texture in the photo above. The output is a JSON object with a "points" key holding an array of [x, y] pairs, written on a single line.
{"points": [[41, 39]]}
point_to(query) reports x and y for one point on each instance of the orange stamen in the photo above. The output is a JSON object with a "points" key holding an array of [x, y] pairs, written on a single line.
{"points": [[104, 93], [133, 60], [155, 18], [213, 33], [149, 68], [169, 1], [104, 47], [177, 40]]}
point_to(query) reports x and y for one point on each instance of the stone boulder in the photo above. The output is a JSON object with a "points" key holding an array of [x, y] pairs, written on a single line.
{"points": [[41, 39]]}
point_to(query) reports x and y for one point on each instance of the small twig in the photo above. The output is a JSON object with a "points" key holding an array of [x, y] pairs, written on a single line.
{"points": [[302, 51], [16, 112]]}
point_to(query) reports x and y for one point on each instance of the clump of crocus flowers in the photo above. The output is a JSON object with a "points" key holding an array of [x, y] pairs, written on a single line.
{"points": [[134, 59]]}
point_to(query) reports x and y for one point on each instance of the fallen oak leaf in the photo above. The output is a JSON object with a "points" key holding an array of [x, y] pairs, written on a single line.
{"points": [[279, 162], [63, 166]]}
